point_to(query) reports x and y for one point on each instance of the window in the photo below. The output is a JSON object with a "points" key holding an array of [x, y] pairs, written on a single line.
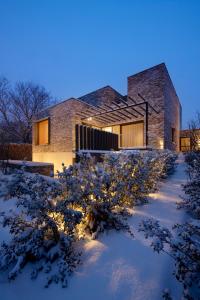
{"points": [[173, 135], [132, 135], [185, 144], [43, 132]]}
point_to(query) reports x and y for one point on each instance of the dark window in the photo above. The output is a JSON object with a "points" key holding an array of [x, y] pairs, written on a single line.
{"points": [[173, 135]]}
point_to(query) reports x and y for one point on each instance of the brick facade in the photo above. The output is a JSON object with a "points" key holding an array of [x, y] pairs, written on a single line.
{"points": [[156, 87], [153, 84], [62, 119], [105, 95]]}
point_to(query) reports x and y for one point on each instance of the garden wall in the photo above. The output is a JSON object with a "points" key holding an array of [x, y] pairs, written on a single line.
{"points": [[16, 152]]}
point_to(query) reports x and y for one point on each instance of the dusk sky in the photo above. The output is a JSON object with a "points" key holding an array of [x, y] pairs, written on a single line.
{"points": [[74, 47]]}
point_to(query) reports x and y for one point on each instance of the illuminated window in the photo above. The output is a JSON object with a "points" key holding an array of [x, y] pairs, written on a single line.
{"points": [[185, 144], [43, 132], [198, 143], [132, 135], [161, 142]]}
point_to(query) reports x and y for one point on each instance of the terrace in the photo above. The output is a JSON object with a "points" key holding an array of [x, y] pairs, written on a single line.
{"points": [[123, 125]]}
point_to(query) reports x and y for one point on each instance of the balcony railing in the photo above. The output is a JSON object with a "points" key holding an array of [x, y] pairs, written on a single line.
{"points": [[88, 138]]}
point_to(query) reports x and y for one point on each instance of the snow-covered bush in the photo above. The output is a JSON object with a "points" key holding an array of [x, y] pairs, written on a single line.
{"points": [[169, 162], [104, 190], [88, 197], [92, 189], [191, 157], [184, 249], [136, 174], [7, 183], [191, 202], [43, 231], [167, 295]]}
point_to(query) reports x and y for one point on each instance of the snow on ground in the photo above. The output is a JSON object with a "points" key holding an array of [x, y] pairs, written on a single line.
{"points": [[116, 266]]}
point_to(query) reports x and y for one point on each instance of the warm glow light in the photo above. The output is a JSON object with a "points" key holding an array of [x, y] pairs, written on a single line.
{"points": [[56, 158], [43, 132], [89, 119], [161, 144], [59, 219], [107, 129]]}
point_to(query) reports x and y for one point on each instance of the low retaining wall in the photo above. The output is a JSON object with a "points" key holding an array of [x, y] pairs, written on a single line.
{"points": [[32, 167]]}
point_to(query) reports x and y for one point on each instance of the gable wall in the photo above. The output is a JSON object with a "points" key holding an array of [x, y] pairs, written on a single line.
{"points": [[150, 84]]}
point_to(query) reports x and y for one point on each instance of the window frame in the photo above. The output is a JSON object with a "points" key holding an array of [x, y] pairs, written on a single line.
{"points": [[37, 132], [132, 123], [187, 147]]}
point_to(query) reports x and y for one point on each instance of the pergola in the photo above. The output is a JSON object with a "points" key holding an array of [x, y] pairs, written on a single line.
{"points": [[120, 111]]}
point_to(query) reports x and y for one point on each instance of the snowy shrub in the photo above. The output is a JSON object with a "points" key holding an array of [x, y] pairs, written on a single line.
{"points": [[43, 232], [167, 295], [87, 197], [91, 187], [191, 202], [184, 249], [191, 157], [103, 191], [169, 162], [136, 174], [7, 183]]}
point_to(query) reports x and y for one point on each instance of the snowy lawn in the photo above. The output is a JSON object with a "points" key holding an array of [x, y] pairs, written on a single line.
{"points": [[115, 266]]}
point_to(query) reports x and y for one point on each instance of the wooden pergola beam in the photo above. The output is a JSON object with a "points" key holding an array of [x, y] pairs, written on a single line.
{"points": [[111, 112], [132, 100], [117, 110], [142, 115]]}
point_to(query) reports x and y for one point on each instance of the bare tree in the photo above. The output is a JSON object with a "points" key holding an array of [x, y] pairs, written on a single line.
{"points": [[18, 106], [194, 132]]}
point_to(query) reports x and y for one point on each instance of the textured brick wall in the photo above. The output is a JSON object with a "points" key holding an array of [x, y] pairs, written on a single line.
{"points": [[150, 84], [172, 116], [62, 125], [104, 95], [155, 86], [62, 118]]}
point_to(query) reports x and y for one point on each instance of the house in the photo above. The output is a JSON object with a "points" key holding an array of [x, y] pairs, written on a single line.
{"points": [[189, 139], [148, 117]]}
